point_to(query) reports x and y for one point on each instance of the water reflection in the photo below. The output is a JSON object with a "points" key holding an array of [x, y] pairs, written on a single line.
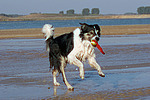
{"points": [[55, 90]]}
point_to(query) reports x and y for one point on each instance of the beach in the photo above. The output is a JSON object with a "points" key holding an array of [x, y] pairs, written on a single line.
{"points": [[106, 30], [38, 16], [25, 70]]}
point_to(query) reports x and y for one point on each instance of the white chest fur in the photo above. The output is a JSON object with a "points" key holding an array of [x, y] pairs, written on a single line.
{"points": [[82, 49]]}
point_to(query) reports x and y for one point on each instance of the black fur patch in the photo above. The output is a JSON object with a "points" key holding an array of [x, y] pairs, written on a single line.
{"points": [[59, 46]]}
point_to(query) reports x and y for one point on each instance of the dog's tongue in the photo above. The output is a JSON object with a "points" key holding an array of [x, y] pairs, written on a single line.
{"points": [[99, 47]]}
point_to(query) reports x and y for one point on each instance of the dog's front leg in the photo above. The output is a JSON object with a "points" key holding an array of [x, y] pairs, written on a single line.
{"points": [[78, 63], [73, 60], [94, 64], [81, 67]]}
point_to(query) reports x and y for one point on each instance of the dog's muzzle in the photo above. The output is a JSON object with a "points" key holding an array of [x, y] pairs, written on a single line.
{"points": [[97, 39]]}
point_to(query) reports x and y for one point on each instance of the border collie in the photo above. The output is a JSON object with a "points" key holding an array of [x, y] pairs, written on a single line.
{"points": [[73, 48]]}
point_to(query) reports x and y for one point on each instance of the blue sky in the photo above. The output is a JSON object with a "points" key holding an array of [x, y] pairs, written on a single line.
{"points": [[54, 6]]}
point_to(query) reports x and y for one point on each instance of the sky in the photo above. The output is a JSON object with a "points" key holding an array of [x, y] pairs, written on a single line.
{"points": [[26, 7]]}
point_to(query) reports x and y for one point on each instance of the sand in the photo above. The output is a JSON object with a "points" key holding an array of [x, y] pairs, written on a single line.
{"points": [[106, 30]]}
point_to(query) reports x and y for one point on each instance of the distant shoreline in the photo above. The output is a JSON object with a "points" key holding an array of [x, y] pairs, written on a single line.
{"points": [[33, 17], [106, 30]]}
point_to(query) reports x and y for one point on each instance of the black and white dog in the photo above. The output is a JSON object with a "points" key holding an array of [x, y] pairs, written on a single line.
{"points": [[73, 48]]}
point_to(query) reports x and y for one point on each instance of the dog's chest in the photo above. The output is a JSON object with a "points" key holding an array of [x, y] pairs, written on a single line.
{"points": [[84, 51]]}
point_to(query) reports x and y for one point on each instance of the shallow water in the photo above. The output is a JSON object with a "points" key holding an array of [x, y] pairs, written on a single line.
{"points": [[71, 23], [24, 69], [39, 85]]}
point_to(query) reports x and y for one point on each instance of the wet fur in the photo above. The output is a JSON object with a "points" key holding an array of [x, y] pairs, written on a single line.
{"points": [[73, 48]]}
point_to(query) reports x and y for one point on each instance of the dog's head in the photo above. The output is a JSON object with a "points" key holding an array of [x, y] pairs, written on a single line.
{"points": [[90, 32]]}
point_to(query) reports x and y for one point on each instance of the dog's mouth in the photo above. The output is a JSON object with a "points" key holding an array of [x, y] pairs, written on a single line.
{"points": [[96, 41]]}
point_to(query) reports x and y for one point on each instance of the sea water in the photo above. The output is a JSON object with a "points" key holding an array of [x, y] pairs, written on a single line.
{"points": [[70, 23]]}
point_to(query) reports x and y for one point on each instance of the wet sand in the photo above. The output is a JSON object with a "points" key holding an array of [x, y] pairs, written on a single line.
{"points": [[25, 72], [106, 30]]}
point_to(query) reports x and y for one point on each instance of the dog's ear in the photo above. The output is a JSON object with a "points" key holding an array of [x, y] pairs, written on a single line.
{"points": [[98, 28], [84, 25]]}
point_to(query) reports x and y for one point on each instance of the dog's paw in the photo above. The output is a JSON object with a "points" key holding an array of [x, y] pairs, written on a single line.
{"points": [[57, 84], [82, 77], [70, 88], [102, 75]]}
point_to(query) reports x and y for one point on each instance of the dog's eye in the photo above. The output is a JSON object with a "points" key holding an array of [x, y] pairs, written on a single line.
{"points": [[88, 34], [91, 33]]}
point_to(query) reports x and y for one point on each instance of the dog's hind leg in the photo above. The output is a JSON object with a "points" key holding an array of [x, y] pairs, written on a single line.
{"points": [[63, 64], [65, 80], [94, 64], [54, 77]]}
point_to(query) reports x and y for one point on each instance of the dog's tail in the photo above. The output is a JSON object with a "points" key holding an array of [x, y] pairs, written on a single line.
{"points": [[48, 31]]}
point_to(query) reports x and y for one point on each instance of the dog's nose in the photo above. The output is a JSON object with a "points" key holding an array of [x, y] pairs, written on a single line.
{"points": [[97, 38]]}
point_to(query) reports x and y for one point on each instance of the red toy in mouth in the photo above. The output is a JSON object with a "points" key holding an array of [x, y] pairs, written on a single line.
{"points": [[94, 43]]}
